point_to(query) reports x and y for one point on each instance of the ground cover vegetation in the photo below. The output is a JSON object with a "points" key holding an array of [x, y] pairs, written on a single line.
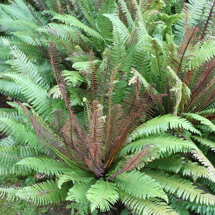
{"points": [[112, 104]]}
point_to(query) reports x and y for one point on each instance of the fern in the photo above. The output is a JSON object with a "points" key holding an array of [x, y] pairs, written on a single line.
{"points": [[167, 143], [161, 124], [108, 195], [78, 193], [124, 57], [138, 185], [43, 193], [44, 165], [30, 91], [72, 21], [182, 188], [147, 206]]}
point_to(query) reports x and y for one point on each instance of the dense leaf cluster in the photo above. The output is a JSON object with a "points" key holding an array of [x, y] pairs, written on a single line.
{"points": [[113, 101]]}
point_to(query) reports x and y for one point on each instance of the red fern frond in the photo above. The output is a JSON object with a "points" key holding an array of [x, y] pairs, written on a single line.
{"points": [[188, 41], [188, 77], [209, 18], [135, 160]]}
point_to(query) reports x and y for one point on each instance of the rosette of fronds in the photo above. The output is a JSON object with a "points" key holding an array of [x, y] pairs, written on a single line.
{"points": [[105, 161]]}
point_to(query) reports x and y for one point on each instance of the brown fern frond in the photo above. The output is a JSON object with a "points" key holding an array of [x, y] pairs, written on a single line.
{"points": [[50, 140], [204, 98], [95, 126], [135, 160], [209, 19], [187, 43], [204, 77], [94, 139], [94, 159], [40, 4], [202, 90], [188, 77], [57, 121], [136, 110], [55, 61], [94, 81], [108, 120]]}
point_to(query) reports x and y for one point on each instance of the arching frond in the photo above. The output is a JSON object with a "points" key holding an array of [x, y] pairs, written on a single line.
{"points": [[10, 155], [42, 193], [162, 123], [182, 188], [102, 194], [139, 185], [167, 143], [35, 94], [72, 21], [146, 206], [44, 165], [202, 120], [78, 192]]}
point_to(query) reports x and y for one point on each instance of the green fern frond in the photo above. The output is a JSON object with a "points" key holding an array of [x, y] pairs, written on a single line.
{"points": [[19, 10], [35, 94], [102, 194], [200, 209], [104, 25], [177, 164], [167, 143], [24, 66], [18, 131], [43, 193], [10, 155], [146, 206], [202, 120], [44, 165], [161, 124], [139, 185], [10, 88], [55, 92], [124, 34], [191, 12], [125, 11], [205, 142], [78, 192], [8, 141], [9, 193], [182, 188], [207, 112], [64, 32], [198, 154], [31, 38], [72, 21], [77, 177], [202, 54]]}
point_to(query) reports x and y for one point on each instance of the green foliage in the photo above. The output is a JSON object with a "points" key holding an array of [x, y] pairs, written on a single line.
{"points": [[141, 77]]}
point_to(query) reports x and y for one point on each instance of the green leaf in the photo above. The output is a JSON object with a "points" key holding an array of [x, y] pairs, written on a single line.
{"points": [[201, 119], [43, 193], [153, 206], [44, 165], [166, 142], [182, 188], [72, 21], [102, 194], [161, 124], [139, 185], [77, 177], [78, 192]]}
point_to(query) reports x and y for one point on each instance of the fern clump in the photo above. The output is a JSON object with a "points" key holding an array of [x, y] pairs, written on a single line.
{"points": [[108, 104]]}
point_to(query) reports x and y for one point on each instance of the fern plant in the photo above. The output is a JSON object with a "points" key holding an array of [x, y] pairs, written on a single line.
{"points": [[98, 163], [122, 61]]}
